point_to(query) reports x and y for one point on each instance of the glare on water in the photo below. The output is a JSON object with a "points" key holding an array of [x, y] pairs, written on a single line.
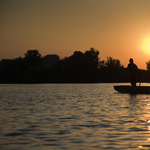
{"points": [[72, 116]]}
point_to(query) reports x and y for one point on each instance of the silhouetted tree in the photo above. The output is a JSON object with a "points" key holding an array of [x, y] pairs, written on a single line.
{"points": [[50, 60], [101, 64], [91, 57], [110, 63], [33, 58], [77, 68], [71, 67], [11, 70], [111, 70], [148, 65], [81, 67]]}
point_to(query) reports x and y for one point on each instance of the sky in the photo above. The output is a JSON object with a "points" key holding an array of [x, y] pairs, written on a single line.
{"points": [[116, 28]]}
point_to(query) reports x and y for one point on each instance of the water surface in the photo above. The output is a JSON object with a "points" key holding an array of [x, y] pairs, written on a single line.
{"points": [[72, 116]]}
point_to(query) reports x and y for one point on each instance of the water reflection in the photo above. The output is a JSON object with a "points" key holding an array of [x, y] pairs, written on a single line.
{"points": [[67, 116], [145, 116]]}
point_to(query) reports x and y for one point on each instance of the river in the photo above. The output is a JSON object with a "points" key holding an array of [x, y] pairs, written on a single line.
{"points": [[72, 117]]}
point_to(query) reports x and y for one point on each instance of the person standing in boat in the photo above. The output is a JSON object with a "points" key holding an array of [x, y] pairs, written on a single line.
{"points": [[133, 71]]}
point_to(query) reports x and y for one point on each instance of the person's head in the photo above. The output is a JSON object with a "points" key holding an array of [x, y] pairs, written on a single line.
{"points": [[131, 60]]}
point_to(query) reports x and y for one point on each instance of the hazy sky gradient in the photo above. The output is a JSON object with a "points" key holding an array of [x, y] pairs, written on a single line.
{"points": [[114, 27]]}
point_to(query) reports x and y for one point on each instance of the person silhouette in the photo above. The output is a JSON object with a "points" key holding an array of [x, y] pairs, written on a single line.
{"points": [[133, 71]]}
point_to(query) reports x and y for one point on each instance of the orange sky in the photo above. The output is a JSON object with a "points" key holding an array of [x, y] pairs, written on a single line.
{"points": [[114, 27]]}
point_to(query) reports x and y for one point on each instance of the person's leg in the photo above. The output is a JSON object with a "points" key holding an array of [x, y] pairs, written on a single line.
{"points": [[133, 81]]}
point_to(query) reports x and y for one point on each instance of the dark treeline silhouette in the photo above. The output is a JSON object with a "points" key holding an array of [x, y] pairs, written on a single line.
{"points": [[78, 68]]}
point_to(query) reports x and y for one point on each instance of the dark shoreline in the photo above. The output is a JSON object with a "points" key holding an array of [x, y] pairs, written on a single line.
{"points": [[78, 68]]}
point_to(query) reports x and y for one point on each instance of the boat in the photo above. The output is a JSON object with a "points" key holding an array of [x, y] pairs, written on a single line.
{"points": [[133, 90]]}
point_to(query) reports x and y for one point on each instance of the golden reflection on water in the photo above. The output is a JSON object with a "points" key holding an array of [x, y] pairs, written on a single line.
{"points": [[98, 120], [146, 144]]}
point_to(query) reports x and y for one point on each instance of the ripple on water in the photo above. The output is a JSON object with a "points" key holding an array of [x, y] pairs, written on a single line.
{"points": [[72, 116]]}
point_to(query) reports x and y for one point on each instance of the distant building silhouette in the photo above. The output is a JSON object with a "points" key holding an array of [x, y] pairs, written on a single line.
{"points": [[50, 60]]}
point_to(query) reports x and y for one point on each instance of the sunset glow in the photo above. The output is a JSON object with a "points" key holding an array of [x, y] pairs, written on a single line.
{"points": [[146, 45], [116, 28]]}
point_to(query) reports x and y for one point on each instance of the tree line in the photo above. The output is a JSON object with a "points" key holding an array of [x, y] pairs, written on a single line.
{"points": [[78, 68]]}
